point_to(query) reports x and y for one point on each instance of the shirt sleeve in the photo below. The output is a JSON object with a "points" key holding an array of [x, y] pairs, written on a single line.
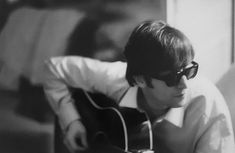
{"points": [[218, 138], [60, 73]]}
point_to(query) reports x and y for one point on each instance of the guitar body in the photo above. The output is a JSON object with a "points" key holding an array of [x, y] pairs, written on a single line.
{"points": [[107, 124]]}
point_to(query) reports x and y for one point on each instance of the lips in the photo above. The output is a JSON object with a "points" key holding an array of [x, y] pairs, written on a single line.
{"points": [[180, 94]]}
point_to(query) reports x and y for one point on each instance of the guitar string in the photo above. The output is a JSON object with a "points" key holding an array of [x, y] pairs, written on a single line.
{"points": [[119, 114], [150, 133]]}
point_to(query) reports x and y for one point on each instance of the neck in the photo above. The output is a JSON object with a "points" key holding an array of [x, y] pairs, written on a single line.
{"points": [[154, 111]]}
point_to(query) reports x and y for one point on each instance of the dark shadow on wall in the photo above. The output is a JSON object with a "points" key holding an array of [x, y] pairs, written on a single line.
{"points": [[82, 39], [85, 40]]}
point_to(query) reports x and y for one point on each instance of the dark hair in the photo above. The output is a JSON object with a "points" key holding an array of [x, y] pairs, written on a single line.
{"points": [[154, 47]]}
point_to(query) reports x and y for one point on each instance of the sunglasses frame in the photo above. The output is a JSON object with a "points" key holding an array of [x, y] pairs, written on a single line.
{"points": [[173, 78]]}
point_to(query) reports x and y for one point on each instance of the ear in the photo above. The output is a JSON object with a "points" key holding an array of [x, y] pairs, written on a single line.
{"points": [[140, 82]]}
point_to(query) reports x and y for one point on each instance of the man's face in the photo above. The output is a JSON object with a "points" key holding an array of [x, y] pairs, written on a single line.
{"points": [[165, 96], [169, 89]]}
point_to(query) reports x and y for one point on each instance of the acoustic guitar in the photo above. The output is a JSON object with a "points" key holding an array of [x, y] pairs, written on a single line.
{"points": [[112, 128]]}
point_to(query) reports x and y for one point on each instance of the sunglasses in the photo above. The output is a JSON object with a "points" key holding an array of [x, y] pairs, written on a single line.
{"points": [[173, 78]]}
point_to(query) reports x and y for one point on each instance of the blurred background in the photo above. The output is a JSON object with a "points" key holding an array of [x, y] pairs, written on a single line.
{"points": [[34, 30]]}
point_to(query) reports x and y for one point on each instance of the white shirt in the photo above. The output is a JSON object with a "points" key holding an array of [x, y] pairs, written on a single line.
{"points": [[203, 125]]}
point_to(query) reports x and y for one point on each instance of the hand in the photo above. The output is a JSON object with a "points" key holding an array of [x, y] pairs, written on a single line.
{"points": [[75, 137]]}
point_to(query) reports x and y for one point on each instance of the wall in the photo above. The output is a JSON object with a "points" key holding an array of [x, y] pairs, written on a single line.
{"points": [[51, 30], [207, 23]]}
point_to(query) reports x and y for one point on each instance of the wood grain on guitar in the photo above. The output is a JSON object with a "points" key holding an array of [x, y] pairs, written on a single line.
{"points": [[111, 128]]}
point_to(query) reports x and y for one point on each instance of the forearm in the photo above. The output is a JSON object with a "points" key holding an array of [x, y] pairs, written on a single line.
{"points": [[59, 96], [61, 73]]}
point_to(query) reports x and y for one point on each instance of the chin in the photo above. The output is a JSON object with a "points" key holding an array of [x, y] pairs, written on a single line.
{"points": [[178, 103]]}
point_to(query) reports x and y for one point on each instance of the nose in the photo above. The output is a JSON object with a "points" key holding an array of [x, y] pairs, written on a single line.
{"points": [[183, 84]]}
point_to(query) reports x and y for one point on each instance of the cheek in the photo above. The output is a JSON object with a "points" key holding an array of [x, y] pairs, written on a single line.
{"points": [[160, 89], [162, 93]]}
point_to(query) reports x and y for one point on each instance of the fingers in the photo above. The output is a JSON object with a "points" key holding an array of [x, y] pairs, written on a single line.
{"points": [[67, 143], [75, 137], [73, 146], [84, 140], [76, 142]]}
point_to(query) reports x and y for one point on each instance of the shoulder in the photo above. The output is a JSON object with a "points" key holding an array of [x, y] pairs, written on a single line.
{"points": [[206, 96], [207, 110]]}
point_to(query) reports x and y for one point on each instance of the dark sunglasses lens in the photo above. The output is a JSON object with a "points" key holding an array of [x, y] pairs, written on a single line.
{"points": [[191, 72], [174, 79]]}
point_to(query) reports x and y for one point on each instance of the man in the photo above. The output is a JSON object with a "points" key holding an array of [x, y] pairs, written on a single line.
{"points": [[187, 115]]}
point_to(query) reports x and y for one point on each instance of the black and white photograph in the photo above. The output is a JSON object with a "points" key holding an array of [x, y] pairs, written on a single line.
{"points": [[117, 76]]}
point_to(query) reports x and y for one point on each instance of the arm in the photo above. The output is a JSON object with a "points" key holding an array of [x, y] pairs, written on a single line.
{"points": [[218, 138], [87, 74], [79, 72]]}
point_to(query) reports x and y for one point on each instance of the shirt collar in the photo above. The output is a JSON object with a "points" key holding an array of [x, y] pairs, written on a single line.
{"points": [[174, 115]]}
